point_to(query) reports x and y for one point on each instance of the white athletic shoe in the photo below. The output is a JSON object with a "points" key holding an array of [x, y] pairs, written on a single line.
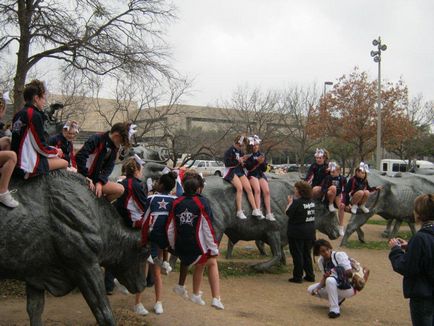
{"points": [[341, 231], [354, 208], [7, 200], [158, 307], [364, 209], [270, 217], [181, 291], [258, 214], [166, 268], [332, 208], [119, 287], [241, 215], [140, 310], [197, 299], [217, 303]]}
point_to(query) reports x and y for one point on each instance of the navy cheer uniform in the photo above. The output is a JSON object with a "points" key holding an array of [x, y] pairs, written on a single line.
{"points": [[301, 235], [133, 203], [66, 146], [28, 141], [339, 182], [156, 216], [232, 165], [355, 184], [254, 168], [190, 231], [96, 159], [316, 174]]}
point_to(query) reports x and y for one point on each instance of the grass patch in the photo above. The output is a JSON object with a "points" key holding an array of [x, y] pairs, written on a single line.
{"points": [[12, 288], [377, 245], [377, 222], [247, 252]]}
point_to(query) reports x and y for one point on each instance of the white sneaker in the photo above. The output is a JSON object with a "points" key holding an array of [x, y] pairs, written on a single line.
{"points": [[166, 268], [258, 214], [354, 208], [241, 215], [158, 308], [140, 310], [332, 208], [341, 231], [364, 209], [197, 299], [7, 200], [119, 287], [181, 291], [217, 303], [270, 217]]}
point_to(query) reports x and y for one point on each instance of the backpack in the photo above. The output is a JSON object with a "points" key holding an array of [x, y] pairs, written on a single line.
{"points": [[360, 273]]}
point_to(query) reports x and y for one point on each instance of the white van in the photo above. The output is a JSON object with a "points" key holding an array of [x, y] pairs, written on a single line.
{"points": [[393, 167]]}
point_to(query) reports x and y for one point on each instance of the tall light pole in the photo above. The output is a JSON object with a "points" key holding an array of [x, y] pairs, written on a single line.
{"points": [[377, 58]]}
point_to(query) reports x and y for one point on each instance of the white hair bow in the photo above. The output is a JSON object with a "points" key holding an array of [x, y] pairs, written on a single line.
{"points": [[72, 125], [364, 167], [7, 98], [241, 140], [319, 152], [138, 160], [132, 131], [256, 140], [332, 166], [165, 170]]}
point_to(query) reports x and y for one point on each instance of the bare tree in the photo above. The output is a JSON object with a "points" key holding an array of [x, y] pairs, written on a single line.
{"points": [[295, 109], [98, 37], [253, 111]]}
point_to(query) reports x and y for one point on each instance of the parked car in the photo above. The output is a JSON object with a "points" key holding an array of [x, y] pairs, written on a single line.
{"points": [[207, 167]]}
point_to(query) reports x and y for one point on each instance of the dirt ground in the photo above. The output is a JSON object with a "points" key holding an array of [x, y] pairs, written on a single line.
{"points": [[263, 299]]}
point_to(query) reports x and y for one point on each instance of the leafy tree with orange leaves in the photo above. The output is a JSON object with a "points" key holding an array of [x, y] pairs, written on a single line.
{"points": [[348, 113]]}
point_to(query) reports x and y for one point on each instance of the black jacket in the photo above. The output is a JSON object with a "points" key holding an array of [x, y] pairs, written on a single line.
{"points": [[316, 174], [301, 222], [96, 159], [416, 264]]}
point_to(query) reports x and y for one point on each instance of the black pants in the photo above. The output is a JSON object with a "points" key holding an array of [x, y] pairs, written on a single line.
{"points": [[301, 252], [422, 311]]}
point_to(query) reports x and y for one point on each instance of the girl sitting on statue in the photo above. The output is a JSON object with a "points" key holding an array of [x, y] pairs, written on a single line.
{"points": [[317, 172], [357, 190], [234, 160], [256, 165], [64, 141], [96, 159]]}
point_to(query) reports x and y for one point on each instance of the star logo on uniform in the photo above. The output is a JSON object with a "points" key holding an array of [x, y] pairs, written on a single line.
{"points": [[186, 217], [163, 204]]}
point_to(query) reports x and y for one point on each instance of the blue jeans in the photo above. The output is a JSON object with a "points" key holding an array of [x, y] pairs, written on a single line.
{"points": [[422, 311]]}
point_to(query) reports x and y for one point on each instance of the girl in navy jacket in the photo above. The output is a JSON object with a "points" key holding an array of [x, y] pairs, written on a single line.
{"points": [[191, 235], [334, 188], [357, 190], [234, 160], [64, 142], [96, 159], [34, 156], [256, 165], [415, 261]]}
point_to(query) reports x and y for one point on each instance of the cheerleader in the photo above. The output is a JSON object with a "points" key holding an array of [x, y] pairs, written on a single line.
{"points": [[357, 190], [154, 229], [234, 159], [317, 172], [34, 156], [131, 206], [256, 165], [334, 189], [64, 142], [96, 159], [191, 235]]}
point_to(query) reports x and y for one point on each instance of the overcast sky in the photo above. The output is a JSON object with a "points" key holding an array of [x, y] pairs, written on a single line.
{"points": [[223, 44]]}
